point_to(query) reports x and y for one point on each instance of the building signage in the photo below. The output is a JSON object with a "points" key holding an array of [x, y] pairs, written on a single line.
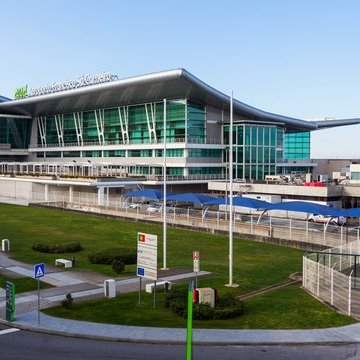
{"points": [[83, 80], [147, 256]]}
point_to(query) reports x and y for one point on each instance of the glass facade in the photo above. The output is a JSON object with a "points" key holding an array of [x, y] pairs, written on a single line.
{"points": [[143, 124], [15, 132], [255, 150], [297, 145]]}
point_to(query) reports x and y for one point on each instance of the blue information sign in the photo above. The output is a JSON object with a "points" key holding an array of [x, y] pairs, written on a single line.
{"points": [[39, 271]]}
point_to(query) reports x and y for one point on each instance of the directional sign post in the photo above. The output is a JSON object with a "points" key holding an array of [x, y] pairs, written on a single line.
{"points": [[146, 259], [196, 265], [39, 272]]}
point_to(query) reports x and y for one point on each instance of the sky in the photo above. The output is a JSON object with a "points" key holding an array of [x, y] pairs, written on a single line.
{"points": [[295, 58]]}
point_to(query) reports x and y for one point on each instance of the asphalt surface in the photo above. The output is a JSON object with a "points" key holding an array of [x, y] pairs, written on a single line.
{"points": [[21, 345]]}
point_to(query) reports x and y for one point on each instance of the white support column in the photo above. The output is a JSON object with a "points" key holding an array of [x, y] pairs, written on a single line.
{"points": [[290, 228], [100, 196], [46, 195], [99, 118], [151, 123], [59, 123], [78, 121], [41, 120], [71, 194], [123, 117]]}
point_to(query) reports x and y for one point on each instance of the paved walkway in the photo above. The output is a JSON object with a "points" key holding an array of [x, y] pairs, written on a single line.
{"points": [[48, 324]]}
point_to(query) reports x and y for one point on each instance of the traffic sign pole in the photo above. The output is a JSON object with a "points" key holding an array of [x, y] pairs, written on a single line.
{"points": [[140, 289], [39, 272], [38, 300]]}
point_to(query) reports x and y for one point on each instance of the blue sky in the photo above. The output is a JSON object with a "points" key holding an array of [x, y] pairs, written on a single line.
{"points": [[296, 58]]}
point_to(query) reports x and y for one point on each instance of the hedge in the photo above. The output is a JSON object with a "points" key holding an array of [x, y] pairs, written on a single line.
{"points": [[107, 256], [228, 307], [57, 248]]}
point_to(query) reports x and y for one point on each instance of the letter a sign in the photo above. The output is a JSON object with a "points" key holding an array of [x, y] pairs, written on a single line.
{"points": [[39, 271]]}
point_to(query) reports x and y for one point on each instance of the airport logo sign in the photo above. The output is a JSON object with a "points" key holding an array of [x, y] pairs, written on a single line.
{"points": [[81, 81]]}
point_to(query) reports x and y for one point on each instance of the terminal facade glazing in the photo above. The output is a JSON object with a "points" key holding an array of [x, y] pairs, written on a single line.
{"points": [[15, 132]]}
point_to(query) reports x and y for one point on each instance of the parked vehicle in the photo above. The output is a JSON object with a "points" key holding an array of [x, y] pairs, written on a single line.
{"points": [[154, 208], [333, 220]]}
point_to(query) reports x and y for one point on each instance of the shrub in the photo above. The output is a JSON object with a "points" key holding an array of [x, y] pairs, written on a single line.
{"points": [[57, 248], [118, 266], [67, 302], [228, 307], [107, 256]]}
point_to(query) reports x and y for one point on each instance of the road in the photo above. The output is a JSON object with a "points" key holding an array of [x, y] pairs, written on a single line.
{"points": [[22, 345]]}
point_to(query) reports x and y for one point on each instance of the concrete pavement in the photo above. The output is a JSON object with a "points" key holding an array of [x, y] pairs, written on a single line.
{"points": [[48, 324]]}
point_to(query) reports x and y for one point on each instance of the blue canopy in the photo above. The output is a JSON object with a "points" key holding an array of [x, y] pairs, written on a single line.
{"points": [[191, 197], [242, 201], [147, 193], [354, 212], [307, 207]]}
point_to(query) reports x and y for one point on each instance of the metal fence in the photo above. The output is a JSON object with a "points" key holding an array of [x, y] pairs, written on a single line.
{"points": [[333, 277], [254, 224]]}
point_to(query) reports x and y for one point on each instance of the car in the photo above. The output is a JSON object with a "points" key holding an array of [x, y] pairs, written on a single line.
{"points": [[333, 220], [154, 208]]}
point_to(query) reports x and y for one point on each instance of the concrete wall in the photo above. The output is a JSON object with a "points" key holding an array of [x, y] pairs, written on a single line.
{"points": [[9, 187]]}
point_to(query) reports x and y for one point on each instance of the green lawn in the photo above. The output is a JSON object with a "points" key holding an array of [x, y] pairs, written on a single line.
{"points": [[256, 265], [22, 284], [286, 308]]}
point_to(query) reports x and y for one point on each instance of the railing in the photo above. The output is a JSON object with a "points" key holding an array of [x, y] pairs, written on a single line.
{"points": [[288, 230], [216, 141], [332, 276]]}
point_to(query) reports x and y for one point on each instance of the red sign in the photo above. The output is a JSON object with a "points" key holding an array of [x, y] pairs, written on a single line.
{"points": [[196, 255]]}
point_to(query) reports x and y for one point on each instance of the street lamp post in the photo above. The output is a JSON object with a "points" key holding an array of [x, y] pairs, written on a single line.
{"points": [[231, 284], [164, 194]]}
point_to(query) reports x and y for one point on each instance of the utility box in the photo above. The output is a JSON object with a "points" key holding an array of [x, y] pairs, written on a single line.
{"points": [[109, 288], [5, 245], [205, 296]]}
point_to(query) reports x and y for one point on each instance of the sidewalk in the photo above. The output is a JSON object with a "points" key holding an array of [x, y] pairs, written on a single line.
{"points": [[342, 335]]}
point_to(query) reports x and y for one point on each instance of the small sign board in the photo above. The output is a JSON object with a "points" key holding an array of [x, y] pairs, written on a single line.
{"points": [[196, 261], [10, 301], [39, 271], [147, 256]]}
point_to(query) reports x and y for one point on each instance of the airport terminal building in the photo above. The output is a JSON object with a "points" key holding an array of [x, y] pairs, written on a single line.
{"points": [[103, 120]]}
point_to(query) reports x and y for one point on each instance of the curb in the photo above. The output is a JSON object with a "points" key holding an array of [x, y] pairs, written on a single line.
{"points": [[178, 342]]}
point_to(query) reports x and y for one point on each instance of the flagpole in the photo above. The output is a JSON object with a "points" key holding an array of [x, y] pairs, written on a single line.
{"points": [[164, 194], [231, 255]]}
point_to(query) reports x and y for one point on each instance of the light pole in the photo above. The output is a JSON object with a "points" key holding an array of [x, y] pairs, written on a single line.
{"points": [[231, 284], [164, 194]]}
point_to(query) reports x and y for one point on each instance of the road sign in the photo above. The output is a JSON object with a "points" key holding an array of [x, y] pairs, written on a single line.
{"points": [[147, 256], [196, 261], [39, 271]]}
